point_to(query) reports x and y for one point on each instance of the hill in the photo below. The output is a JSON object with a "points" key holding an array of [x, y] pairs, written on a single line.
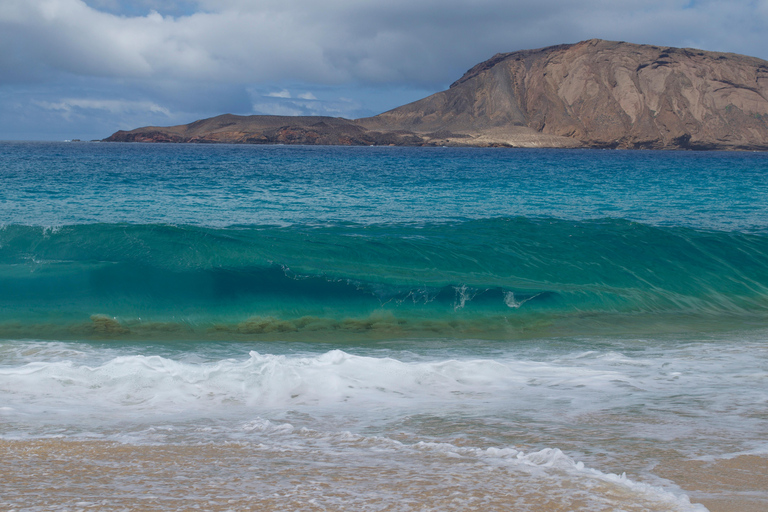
{"points": [[594, 93]]}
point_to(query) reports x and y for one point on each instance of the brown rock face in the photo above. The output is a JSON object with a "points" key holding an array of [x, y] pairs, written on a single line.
{"points": [[590, 94], [234, 129], [602, 94]]}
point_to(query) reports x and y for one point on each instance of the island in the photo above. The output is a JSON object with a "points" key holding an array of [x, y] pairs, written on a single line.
{"points": [[592, 94]]}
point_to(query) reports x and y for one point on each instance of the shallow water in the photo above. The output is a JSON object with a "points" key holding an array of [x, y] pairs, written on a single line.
{"points": [[251, 328]]}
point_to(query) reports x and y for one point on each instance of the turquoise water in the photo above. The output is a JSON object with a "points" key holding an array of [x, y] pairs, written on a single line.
{"points": [[203, 242], [50, 184], [490, 278], [550, 318]]}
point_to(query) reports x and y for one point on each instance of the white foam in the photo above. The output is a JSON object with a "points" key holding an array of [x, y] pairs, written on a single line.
{"points": [[549, 464], [587, 381], [463, 295], [703, 398], [354, 407], [509, 300], [279, 381]]}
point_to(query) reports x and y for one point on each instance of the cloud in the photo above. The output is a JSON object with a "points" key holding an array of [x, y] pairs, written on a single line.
{"points": [[308, 104], [343, 41], [142, 7], [131, 62], [286, 94], [277, 109], [39, 113], [113, 106]]}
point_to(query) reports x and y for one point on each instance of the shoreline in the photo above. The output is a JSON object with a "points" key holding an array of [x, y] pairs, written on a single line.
{"points": [[108, 475]]}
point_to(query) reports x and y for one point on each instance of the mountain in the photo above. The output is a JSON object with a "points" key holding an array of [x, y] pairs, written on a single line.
{"points": [[595, 93]]}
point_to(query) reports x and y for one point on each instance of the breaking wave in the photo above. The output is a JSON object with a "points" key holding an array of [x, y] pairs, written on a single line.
{"points": [[494, 277]]}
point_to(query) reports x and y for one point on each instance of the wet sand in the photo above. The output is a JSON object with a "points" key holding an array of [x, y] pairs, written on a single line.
{"points": [[57, 474], [729, 485]]}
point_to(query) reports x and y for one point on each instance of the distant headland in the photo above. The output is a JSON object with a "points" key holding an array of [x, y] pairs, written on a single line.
{"points": [[592, 94]]}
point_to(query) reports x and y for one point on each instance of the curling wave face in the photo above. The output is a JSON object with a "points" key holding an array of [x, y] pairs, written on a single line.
{"points": [[496, 277]]}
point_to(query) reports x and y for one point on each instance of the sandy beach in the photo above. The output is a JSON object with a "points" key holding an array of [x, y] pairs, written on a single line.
{"points": [[56, 474]]}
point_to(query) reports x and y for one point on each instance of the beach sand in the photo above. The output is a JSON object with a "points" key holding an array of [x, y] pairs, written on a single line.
{"points": [[730, 485], [51, 474]]}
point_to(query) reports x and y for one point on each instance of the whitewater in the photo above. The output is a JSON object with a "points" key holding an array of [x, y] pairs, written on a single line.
{"points": [[226, 327]]}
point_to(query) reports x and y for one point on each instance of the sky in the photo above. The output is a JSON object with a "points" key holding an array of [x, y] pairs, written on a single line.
{"points": [[86, 68]]}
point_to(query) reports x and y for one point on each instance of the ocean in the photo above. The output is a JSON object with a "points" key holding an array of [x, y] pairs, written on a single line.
{"points": [[238, 327]]}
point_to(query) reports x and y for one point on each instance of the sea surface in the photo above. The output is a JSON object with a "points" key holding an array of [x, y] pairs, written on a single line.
{"points": [[224, 327]]}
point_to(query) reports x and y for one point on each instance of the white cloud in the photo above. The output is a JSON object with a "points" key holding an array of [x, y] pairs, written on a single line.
{"points": [[281, 94], [303, 105], [277, 109], [75, 105], [113, 106]]}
